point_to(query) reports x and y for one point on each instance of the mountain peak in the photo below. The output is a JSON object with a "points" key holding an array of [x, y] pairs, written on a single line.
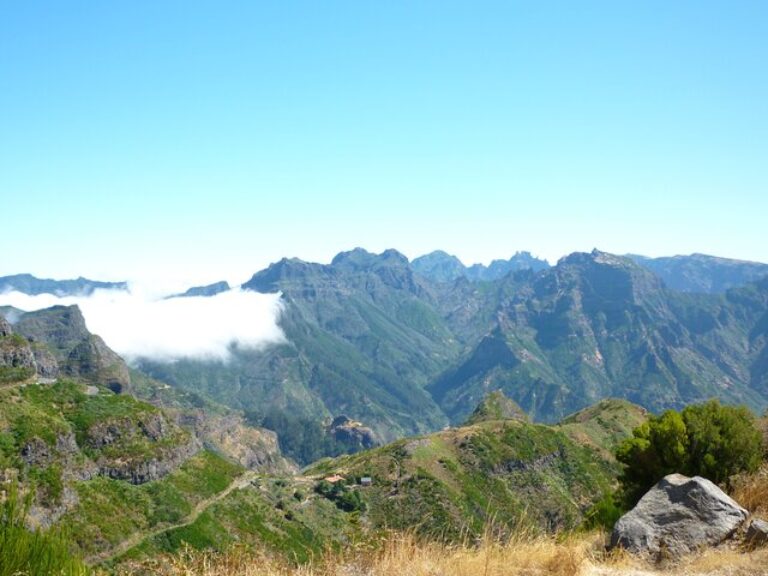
{"points": [[359, 258], [267, 281], [597, 257], [439, 266], [496, 406], [208, 290]]}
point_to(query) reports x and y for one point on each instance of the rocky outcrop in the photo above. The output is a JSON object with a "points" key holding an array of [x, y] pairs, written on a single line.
{"points": [[17, 361], [757, 533], [141, 470], [119, 445], [678, 516], [15, 352], [45, 361], [5, 327], [62, 345], [46, 509], [251, 447], [94, 361], [350, 432]]}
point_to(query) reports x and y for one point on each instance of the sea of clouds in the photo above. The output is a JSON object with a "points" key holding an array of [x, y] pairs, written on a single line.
{"points": [[138, 324]]}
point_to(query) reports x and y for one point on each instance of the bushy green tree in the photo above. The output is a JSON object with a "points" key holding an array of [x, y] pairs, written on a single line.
{"points": [[708, 440]]}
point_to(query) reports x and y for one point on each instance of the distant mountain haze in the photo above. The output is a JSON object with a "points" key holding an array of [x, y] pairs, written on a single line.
{"points": [[28, 284], [440, 266], [702, 273]]}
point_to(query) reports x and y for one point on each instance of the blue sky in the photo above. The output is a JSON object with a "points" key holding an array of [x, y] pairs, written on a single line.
{"points": [[203, 140]]}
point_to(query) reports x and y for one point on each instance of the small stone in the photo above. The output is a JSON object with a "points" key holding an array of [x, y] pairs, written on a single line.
{"points": [[757, 533]]}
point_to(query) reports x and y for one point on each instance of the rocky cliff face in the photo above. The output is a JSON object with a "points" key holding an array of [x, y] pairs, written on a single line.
{"points": [[17, 361], [56, 435], [352, 433], [598, 325], [5, 328], [62, 345], [252, 448]]}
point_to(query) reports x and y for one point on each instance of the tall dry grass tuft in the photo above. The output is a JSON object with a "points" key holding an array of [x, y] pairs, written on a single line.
{"points": [[525, 554], [400, 554], [751, 491]]}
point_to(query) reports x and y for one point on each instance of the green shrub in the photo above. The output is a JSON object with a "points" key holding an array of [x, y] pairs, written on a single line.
{"points": [[708, 440], [10, 374], [345, 499], [604, 513]]}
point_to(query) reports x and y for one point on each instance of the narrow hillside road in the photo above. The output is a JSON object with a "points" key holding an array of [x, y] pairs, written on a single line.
{"points": [[240, 482]]}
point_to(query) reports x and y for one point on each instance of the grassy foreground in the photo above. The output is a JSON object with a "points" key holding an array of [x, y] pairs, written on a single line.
{"points": [[580, 555]]}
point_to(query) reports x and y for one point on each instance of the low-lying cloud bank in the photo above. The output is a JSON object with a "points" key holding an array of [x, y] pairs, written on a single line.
{"points": [[139, 326]]}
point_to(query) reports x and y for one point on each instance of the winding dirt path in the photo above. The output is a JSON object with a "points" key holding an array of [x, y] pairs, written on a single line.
{"points": [[134, 540]]}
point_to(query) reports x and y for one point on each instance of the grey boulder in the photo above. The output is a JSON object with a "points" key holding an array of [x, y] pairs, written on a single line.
{"points": [[677, 516], [757, 533]]}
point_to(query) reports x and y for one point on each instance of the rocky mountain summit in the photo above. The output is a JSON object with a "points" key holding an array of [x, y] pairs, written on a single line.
{"points": [[352, 433], [63, 346], [496, 406], [439, 266]]}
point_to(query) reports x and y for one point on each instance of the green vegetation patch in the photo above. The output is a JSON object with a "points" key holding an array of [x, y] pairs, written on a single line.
{"points": [[111, 511], [32, 552]]}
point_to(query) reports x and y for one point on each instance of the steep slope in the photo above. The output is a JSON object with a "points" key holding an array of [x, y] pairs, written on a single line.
{"points": [[105, 466], [17, 360], [450, 486], [369, 338], [33, 286], [702, 273], [454, 483], [109, 468], [64, 346], [598, 325], [364, 338], [57, 435], [496, 406]]}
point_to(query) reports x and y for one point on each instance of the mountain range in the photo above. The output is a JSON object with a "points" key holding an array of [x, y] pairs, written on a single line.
{"points": [[133, 461], [34, 286], [370, 337], [410, 347]]}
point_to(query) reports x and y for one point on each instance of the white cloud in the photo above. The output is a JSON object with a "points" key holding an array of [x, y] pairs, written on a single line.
{"points": [[138, 325]]}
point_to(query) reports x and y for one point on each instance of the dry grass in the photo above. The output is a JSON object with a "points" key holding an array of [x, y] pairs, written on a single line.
{"points": [[404, 555], [398, 555], [751, 491]]}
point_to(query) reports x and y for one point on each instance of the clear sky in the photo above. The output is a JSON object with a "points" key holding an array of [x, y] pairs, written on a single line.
{"points": [[206, 139]]}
